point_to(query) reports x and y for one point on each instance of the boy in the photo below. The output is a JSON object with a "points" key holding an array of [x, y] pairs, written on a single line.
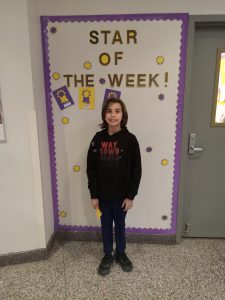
{"points": [[114, 173]]}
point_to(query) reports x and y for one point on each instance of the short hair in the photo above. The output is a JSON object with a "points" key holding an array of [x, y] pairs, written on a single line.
{"points": [[105, 106]]}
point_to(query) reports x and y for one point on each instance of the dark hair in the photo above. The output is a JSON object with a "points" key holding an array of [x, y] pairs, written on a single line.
{"points": [[124, 112]]}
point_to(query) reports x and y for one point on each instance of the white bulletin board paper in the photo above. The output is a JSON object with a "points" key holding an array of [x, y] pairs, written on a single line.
{"points": [[141, 59]]}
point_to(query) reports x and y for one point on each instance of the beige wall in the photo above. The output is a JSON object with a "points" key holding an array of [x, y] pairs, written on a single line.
{"points": [[40, 108], [21, 202], [84, 7]]}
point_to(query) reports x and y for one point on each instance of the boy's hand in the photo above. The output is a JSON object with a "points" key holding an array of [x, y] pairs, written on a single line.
{"points": [[127, 204], [95, 203]]}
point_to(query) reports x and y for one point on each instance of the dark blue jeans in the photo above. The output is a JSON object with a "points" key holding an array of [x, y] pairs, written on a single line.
{"points": [[112, 211]]}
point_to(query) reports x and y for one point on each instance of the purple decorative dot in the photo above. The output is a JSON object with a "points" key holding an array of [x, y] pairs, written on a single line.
{"points": [[161, 97], [53, 29], [102, 81], [148, 149]]}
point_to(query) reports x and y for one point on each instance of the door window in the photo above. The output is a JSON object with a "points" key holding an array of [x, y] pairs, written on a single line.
{"points": [[218, 110]]}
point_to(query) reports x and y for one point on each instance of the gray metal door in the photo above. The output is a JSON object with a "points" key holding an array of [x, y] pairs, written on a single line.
{"points": [[204, 191]]}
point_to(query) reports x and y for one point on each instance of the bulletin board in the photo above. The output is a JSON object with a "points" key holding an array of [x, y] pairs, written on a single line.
{"points": [[140, 59], [2, 125]]}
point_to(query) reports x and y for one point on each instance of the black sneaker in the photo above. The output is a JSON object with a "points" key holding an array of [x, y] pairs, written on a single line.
{"points": [[105, 264], [124, 262]]}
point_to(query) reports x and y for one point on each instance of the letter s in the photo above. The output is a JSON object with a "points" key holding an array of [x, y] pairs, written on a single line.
{"points": [[94, 36]]}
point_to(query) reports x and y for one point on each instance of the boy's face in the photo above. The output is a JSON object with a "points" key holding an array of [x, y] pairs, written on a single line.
{"points": [[114, 115]]}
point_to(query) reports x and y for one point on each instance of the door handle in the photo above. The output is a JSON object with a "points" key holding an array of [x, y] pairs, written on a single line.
{"points": [[191, 147]]}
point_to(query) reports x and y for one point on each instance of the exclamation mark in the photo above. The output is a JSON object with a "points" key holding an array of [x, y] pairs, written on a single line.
{"points": [[166, 79]]}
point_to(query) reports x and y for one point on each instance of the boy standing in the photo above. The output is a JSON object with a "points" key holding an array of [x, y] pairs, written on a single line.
{"points": [[114, 173]]}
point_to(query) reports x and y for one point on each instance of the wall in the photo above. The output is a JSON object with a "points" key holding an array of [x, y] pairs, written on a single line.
{"points": [[21, 203], [40, 108], [85, 7]]}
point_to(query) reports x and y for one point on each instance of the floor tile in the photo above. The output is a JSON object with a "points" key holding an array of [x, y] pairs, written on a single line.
{"points": [[193, 269], [190, 270], [83, 282], [37, 280]]}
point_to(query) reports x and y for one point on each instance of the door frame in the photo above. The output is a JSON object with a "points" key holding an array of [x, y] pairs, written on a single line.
{"points": [[194, 22]]}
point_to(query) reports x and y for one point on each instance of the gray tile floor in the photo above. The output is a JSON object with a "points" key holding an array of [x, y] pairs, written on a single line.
{"points": [[193, 269]]}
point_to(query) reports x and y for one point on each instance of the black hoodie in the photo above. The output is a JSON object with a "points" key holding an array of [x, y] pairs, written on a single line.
{"points": [[114, 165]]}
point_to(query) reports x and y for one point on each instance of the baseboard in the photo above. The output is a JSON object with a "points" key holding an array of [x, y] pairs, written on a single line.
{"points": [[41, 254], [50, 244], [78, 236], [130, 237], [28, 256], [22, 257]]}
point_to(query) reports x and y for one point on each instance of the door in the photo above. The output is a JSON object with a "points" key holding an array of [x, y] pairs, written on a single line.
{"points": [[204, 191]]}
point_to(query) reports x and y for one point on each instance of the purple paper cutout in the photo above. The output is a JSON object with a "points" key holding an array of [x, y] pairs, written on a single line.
{"points": [[149, 149], [111, 94], [53, 29], [161, 97], [102, 80], [63, 97]]}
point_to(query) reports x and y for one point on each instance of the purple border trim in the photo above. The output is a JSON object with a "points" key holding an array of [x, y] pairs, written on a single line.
{"points": [[179, 120], [179, 125], [117, 17], [50, 121]]}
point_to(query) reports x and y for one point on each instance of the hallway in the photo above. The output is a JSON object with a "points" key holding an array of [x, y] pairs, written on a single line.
{"points": [[193, 269]]}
